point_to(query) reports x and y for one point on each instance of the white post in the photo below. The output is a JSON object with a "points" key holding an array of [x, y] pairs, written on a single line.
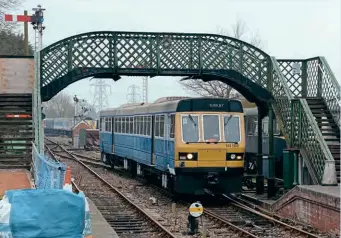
{"points": [[35, 93], [39, 133]]}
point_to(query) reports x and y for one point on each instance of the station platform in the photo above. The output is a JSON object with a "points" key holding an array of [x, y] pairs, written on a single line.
{"points": [[14, 179], [314, 205], [100, 227]]}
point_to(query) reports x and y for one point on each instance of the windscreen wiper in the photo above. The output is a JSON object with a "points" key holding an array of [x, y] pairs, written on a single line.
{"points": [[191, 118], [228, 120]]}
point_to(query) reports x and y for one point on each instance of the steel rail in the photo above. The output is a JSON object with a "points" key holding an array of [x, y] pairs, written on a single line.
{"points": [[161, 227]]}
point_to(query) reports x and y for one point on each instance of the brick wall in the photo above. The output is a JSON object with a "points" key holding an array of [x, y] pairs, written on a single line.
{"points": [[309, 206], [81, 125]]}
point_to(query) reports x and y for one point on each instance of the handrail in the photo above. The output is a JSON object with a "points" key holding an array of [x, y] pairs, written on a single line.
{"points": [[313, 123], [282, 117], [331, 103], [281, 77], [314, 153], [332, 76]]}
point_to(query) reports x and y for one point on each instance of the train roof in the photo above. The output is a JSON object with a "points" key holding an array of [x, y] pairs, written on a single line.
{"points": [[171, 104]]}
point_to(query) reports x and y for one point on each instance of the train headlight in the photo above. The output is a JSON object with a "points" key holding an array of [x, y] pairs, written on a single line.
{"points": [[193, 156], [233, 156], [189, 156], [239, 157]]}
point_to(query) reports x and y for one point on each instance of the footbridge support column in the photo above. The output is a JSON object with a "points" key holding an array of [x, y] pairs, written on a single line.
{"points": [[260, 177], [271, 179]]}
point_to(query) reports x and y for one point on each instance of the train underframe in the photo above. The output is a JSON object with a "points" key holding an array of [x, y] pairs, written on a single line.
{"points": [[192, 181]]}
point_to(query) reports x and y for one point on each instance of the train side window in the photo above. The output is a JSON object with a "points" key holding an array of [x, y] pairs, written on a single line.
{"points": [[172, 126], [143, 131], [127, 125], [123, 125], [162, 125], [139, 125], [149, 118], [119, 121], [106, 124], [110, 124], [156, 125], [135, 125], [100, 123], [131, 125]]}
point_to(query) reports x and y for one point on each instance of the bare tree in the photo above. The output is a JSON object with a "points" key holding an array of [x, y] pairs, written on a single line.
{"points": [[218, 88], [5, 6], [60, 105], [11, 42]]}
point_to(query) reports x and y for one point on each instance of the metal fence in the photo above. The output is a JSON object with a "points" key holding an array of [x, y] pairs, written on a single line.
{"points": [[48, 174]]}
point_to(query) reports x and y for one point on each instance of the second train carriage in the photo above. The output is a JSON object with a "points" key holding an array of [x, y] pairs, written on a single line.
{"points": [[251, 131], [188, 144]]}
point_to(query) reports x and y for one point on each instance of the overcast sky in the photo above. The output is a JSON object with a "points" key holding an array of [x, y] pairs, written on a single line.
{"points": [[296, 29]]}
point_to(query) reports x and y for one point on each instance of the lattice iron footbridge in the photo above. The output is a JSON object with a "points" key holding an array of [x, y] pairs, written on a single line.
{"points": [[304, 94]]}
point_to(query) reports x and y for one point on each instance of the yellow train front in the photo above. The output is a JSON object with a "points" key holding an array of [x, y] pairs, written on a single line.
{"points": [[209, 147], [186, 145]]}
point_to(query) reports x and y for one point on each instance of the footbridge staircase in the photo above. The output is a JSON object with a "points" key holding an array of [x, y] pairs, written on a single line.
{"points": [[307, 102]]}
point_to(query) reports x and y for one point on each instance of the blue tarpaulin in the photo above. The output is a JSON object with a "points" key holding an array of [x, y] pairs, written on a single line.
{"points": [[46, 213]]}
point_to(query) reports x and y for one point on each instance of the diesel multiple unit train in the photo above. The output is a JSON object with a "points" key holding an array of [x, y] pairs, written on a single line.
{"points": [[186, 145]]}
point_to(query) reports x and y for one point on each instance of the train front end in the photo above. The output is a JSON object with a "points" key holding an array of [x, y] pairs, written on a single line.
{"points": [[209, 147]]}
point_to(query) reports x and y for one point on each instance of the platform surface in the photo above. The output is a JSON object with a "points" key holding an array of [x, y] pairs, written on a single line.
{"points": [[333, 191], [100, 227], [14, 179]]}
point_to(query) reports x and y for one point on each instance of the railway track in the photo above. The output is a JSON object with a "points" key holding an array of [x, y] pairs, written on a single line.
{"points": [[230, 219], [127, 218]]}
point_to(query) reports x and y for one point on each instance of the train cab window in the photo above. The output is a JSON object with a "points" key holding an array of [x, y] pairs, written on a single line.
{"points": [[190, 128], [231, 129], [211, 128], [172, 125]]}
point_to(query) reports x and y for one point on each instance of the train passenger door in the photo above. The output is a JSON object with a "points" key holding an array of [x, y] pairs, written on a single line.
{"points": [[113, 124], [170, 137], [152, 156]]}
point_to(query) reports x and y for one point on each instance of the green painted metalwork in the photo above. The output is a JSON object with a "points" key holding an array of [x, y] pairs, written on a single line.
{"points": [[209, 57], [137, 53], [306, 136], [314, 80]]}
